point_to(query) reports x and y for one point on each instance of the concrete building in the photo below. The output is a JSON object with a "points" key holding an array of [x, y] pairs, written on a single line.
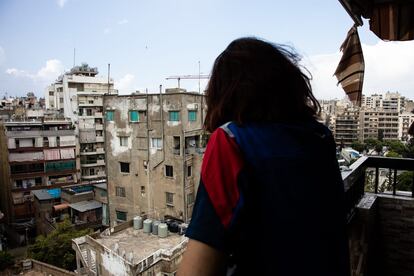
{"points": [[154, 146], [405, 119], [379, 123], [347, 128], [79, 95], [34, 154], [391, 101], [124, 250]]}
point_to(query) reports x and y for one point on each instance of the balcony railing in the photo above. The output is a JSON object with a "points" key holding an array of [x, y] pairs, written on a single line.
{"points": [[380, 215], [354, 180]]}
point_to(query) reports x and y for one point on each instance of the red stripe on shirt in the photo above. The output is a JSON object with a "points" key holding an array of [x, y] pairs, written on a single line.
{"points": [[222, 163]]}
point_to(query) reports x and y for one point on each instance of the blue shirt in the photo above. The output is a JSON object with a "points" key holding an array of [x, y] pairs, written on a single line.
{"points": [[271, 196]]}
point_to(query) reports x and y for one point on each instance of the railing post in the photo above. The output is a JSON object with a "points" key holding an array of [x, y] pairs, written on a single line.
{"points": [[394, 185], [376, 179], [412, 187]]}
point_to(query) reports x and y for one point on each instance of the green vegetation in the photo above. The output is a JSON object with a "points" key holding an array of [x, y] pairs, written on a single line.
{"points": [[395, 147], [56, 248], [6, 260]]}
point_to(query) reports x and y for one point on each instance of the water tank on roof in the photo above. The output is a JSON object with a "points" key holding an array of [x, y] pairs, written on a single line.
{"points": [[155, 227], [147, 226], [162, 230], [137, 222], [173, 227]]}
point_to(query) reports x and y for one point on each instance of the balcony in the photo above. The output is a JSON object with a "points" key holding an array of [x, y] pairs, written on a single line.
{"points": [[99, 127], [100, 139], [98, 115], [99, 175], [380, 217]]}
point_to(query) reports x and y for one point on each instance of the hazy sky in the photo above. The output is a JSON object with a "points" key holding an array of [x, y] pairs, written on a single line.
{"points": [[147, 41]]}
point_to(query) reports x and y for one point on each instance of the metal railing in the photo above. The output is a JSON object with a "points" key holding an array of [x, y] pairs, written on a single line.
{"points": [[355, 178]]}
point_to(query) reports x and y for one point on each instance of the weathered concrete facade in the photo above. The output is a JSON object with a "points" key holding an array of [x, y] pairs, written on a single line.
{"points": [[154, 170], [79, 95], [35, 154]]}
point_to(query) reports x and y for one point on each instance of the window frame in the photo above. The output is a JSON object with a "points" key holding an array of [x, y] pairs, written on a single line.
{"points": [[192, 115], [120, 191], [158, 145], [167, 170], [169, 199], [109, 118], [118, 212], [122, 138], [130, 117], [174, 115], [121, 167]]}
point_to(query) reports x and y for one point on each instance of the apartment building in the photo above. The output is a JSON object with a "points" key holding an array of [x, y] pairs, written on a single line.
{"points": [[380, 123], [35, 154], [154, 146], [390, 101], [405, 119], [78, 94], [347, 127]]}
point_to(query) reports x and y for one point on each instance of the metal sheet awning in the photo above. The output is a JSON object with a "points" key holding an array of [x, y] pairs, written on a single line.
{"points": [[84, 206]]}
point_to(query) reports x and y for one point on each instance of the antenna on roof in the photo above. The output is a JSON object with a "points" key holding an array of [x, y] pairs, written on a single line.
{"points": [[74, 57]]}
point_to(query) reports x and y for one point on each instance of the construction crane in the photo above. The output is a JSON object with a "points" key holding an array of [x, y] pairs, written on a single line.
{"points": [[189, 77]]}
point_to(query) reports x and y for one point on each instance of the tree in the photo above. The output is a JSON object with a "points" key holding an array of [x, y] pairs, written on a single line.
{"points": [[395, 146], [360, 147], [392, 154], [6, 260], [56, 248], [405, 181]]}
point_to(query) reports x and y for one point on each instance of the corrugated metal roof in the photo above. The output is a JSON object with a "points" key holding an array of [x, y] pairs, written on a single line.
{"points": [[84, 206]]}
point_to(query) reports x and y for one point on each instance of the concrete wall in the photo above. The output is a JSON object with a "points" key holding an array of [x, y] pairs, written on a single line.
{"points": [[146, 189], [396, 235]]}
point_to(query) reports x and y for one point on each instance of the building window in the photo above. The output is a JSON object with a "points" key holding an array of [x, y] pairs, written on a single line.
{"points": [[88, 112], [174, 116], [123, 141], [121, 216], [189, 171], [169, 198], [156, 143], [61, 100], [51, 93], [120, 191], [192, 115], [169, 171], [109, 115], [124, 167], [142, 190], [133, 116]]}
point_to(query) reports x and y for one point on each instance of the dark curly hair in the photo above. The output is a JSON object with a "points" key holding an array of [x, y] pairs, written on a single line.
{"points": [[256, 81]]}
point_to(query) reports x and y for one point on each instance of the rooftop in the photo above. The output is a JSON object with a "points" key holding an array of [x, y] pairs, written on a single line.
{"points": [[46, 194], [87, 205], [140, 244]]}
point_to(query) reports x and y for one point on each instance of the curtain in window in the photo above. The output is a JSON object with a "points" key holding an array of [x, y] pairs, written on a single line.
{"points": [[52, 154], [67, 153]]}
